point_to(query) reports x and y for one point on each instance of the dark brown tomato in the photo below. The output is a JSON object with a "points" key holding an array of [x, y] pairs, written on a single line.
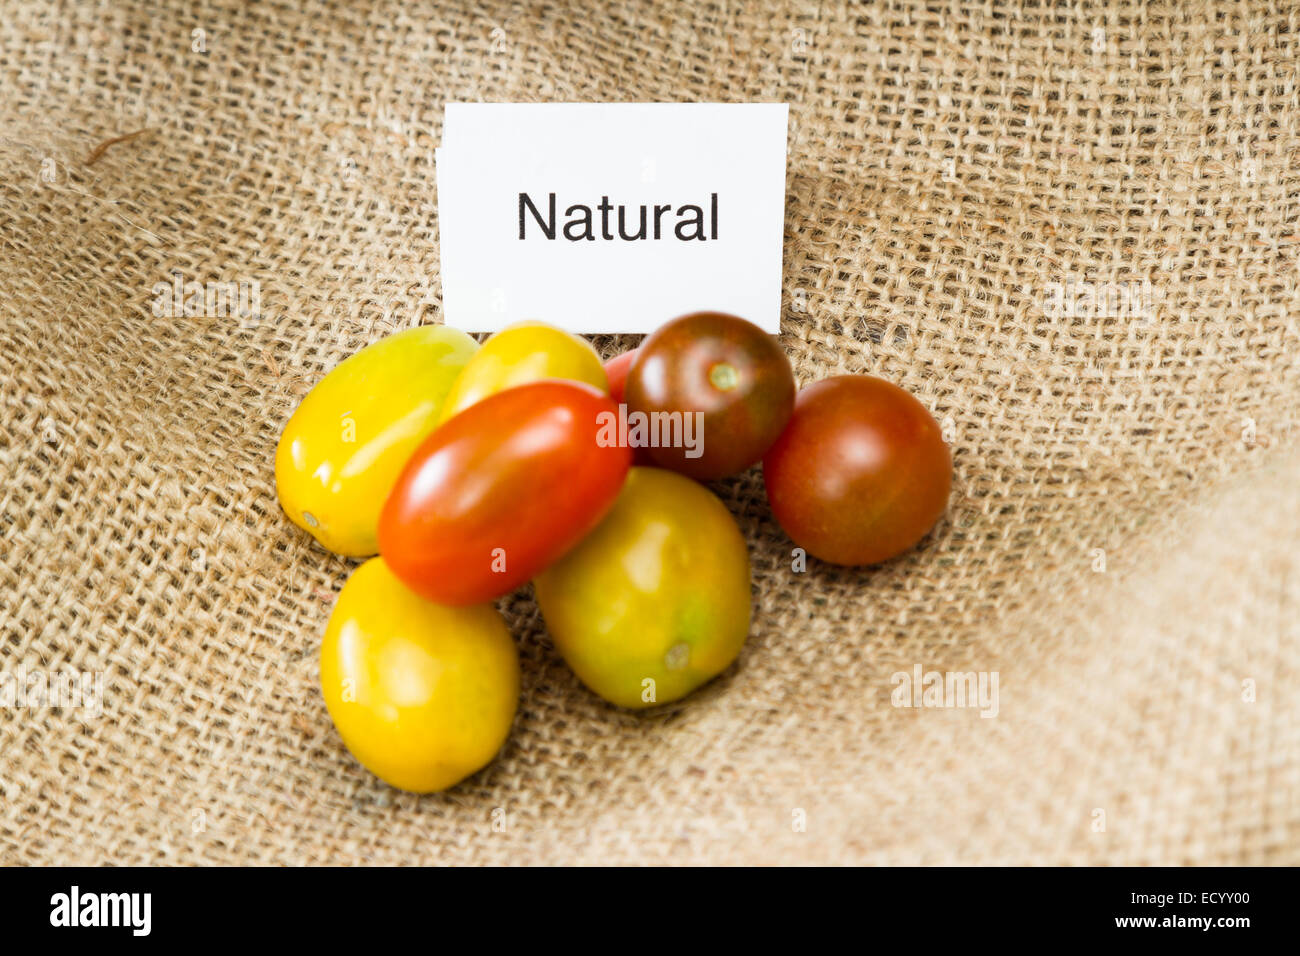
{"points": [[860, 474], [727, 369]]}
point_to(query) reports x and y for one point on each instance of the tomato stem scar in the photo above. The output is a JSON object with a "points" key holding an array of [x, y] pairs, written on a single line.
{"points": [[678, 656], [724, 376]]}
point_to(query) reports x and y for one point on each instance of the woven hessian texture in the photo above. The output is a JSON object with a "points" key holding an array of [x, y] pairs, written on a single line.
{"points": [[1121, 546]]}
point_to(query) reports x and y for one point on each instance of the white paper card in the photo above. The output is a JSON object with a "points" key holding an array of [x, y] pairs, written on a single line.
{"points": [[610, 217]]}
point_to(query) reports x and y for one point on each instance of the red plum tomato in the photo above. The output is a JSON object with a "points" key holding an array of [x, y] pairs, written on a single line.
{"points": [[501, 490]]}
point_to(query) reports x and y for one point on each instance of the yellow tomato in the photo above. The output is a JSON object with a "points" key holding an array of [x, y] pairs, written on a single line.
{"points": [[344, 447], [523, 353], [656, 600], [423, 695]]}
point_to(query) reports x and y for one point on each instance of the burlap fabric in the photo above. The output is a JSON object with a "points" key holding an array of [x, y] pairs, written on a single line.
{"points": [[976, 198]]}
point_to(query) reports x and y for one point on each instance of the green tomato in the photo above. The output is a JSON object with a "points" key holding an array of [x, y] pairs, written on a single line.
{"points": [[655, 601]]}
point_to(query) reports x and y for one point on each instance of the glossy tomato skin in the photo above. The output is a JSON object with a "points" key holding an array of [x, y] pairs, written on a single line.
{"points": [[522, 353], [423, 695], [861, 472], [342, 450], [616, 370], [656, 601], [729, 370], [501, 490]]}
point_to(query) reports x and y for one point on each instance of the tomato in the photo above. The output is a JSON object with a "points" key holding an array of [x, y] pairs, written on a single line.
{"points": [[344, 447], [423, 695], [502, 490], [616, 370], [656, 600], [522, 353], [729, 371], [860, 474]]}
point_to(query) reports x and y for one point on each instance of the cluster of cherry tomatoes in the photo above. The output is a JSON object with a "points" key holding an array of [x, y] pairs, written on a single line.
{"points": [[472, 471]]}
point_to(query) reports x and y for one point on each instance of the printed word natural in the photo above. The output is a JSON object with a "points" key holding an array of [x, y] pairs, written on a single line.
{"points": [[686, 222]]}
